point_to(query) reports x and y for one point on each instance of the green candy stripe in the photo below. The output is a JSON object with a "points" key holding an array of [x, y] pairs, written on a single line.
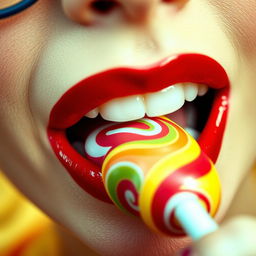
{"points": [[170, 137], [123, 171]]}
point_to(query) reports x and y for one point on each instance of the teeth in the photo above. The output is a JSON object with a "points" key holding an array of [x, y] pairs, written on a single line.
{"points": [[190, 91], [202, 90], [124, 109], [93, 113], [166, 101], [162, 102]]}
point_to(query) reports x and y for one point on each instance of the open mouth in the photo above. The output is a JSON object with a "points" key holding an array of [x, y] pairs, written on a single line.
{"points": [[190, 89]]}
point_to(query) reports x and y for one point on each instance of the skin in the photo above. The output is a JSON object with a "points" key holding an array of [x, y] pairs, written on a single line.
{"points": [[39, 47]]}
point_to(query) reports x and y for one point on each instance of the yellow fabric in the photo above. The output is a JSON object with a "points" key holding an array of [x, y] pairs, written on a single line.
{"points": [[24, 230]]}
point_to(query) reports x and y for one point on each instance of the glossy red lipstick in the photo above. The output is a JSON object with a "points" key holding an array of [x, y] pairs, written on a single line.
{"points": [[102, 87]]}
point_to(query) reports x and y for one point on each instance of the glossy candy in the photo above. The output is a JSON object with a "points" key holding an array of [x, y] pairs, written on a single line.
{"points": [[150, 164]]}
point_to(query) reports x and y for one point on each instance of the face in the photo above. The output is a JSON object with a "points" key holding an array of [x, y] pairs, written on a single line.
{"points": [[52, 46]]}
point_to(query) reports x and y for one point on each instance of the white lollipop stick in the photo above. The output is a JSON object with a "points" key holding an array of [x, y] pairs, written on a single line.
{"points": [[194, 219]]}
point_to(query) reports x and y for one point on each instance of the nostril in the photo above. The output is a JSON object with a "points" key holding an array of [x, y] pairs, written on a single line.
{"points": [[103, 6]]}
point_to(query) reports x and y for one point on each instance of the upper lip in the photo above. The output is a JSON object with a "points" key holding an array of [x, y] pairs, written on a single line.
{"points": [[97, 89]]}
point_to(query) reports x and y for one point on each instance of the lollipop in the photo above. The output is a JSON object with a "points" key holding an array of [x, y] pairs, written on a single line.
{"points": [[152, 168]]}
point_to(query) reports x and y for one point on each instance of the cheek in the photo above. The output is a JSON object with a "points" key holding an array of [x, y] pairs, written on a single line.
{"points": [[20, 45], [21, 39], [15, 65], [239, 20]]}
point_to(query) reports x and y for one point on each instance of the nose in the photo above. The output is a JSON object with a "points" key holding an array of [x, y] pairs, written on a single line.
{"points": [[89, 12]]}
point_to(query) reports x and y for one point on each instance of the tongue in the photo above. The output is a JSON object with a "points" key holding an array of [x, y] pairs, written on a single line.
{"points": [[178, 117], [186, 118]]}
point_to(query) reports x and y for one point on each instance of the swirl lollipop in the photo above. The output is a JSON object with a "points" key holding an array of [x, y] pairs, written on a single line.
{"points": [[152, 168]]}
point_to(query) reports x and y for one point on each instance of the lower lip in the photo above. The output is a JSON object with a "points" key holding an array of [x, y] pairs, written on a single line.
{"points": [[88, 175]]}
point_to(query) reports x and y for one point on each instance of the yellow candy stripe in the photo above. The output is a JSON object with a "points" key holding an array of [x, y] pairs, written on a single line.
{"points": [[159, 172], [147, 172]]}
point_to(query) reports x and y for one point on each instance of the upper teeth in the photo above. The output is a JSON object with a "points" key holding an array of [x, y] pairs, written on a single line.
{"points": [[159, 103]]}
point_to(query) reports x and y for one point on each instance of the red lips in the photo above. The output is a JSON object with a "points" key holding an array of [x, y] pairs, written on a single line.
{"points": [[119, 82]]}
